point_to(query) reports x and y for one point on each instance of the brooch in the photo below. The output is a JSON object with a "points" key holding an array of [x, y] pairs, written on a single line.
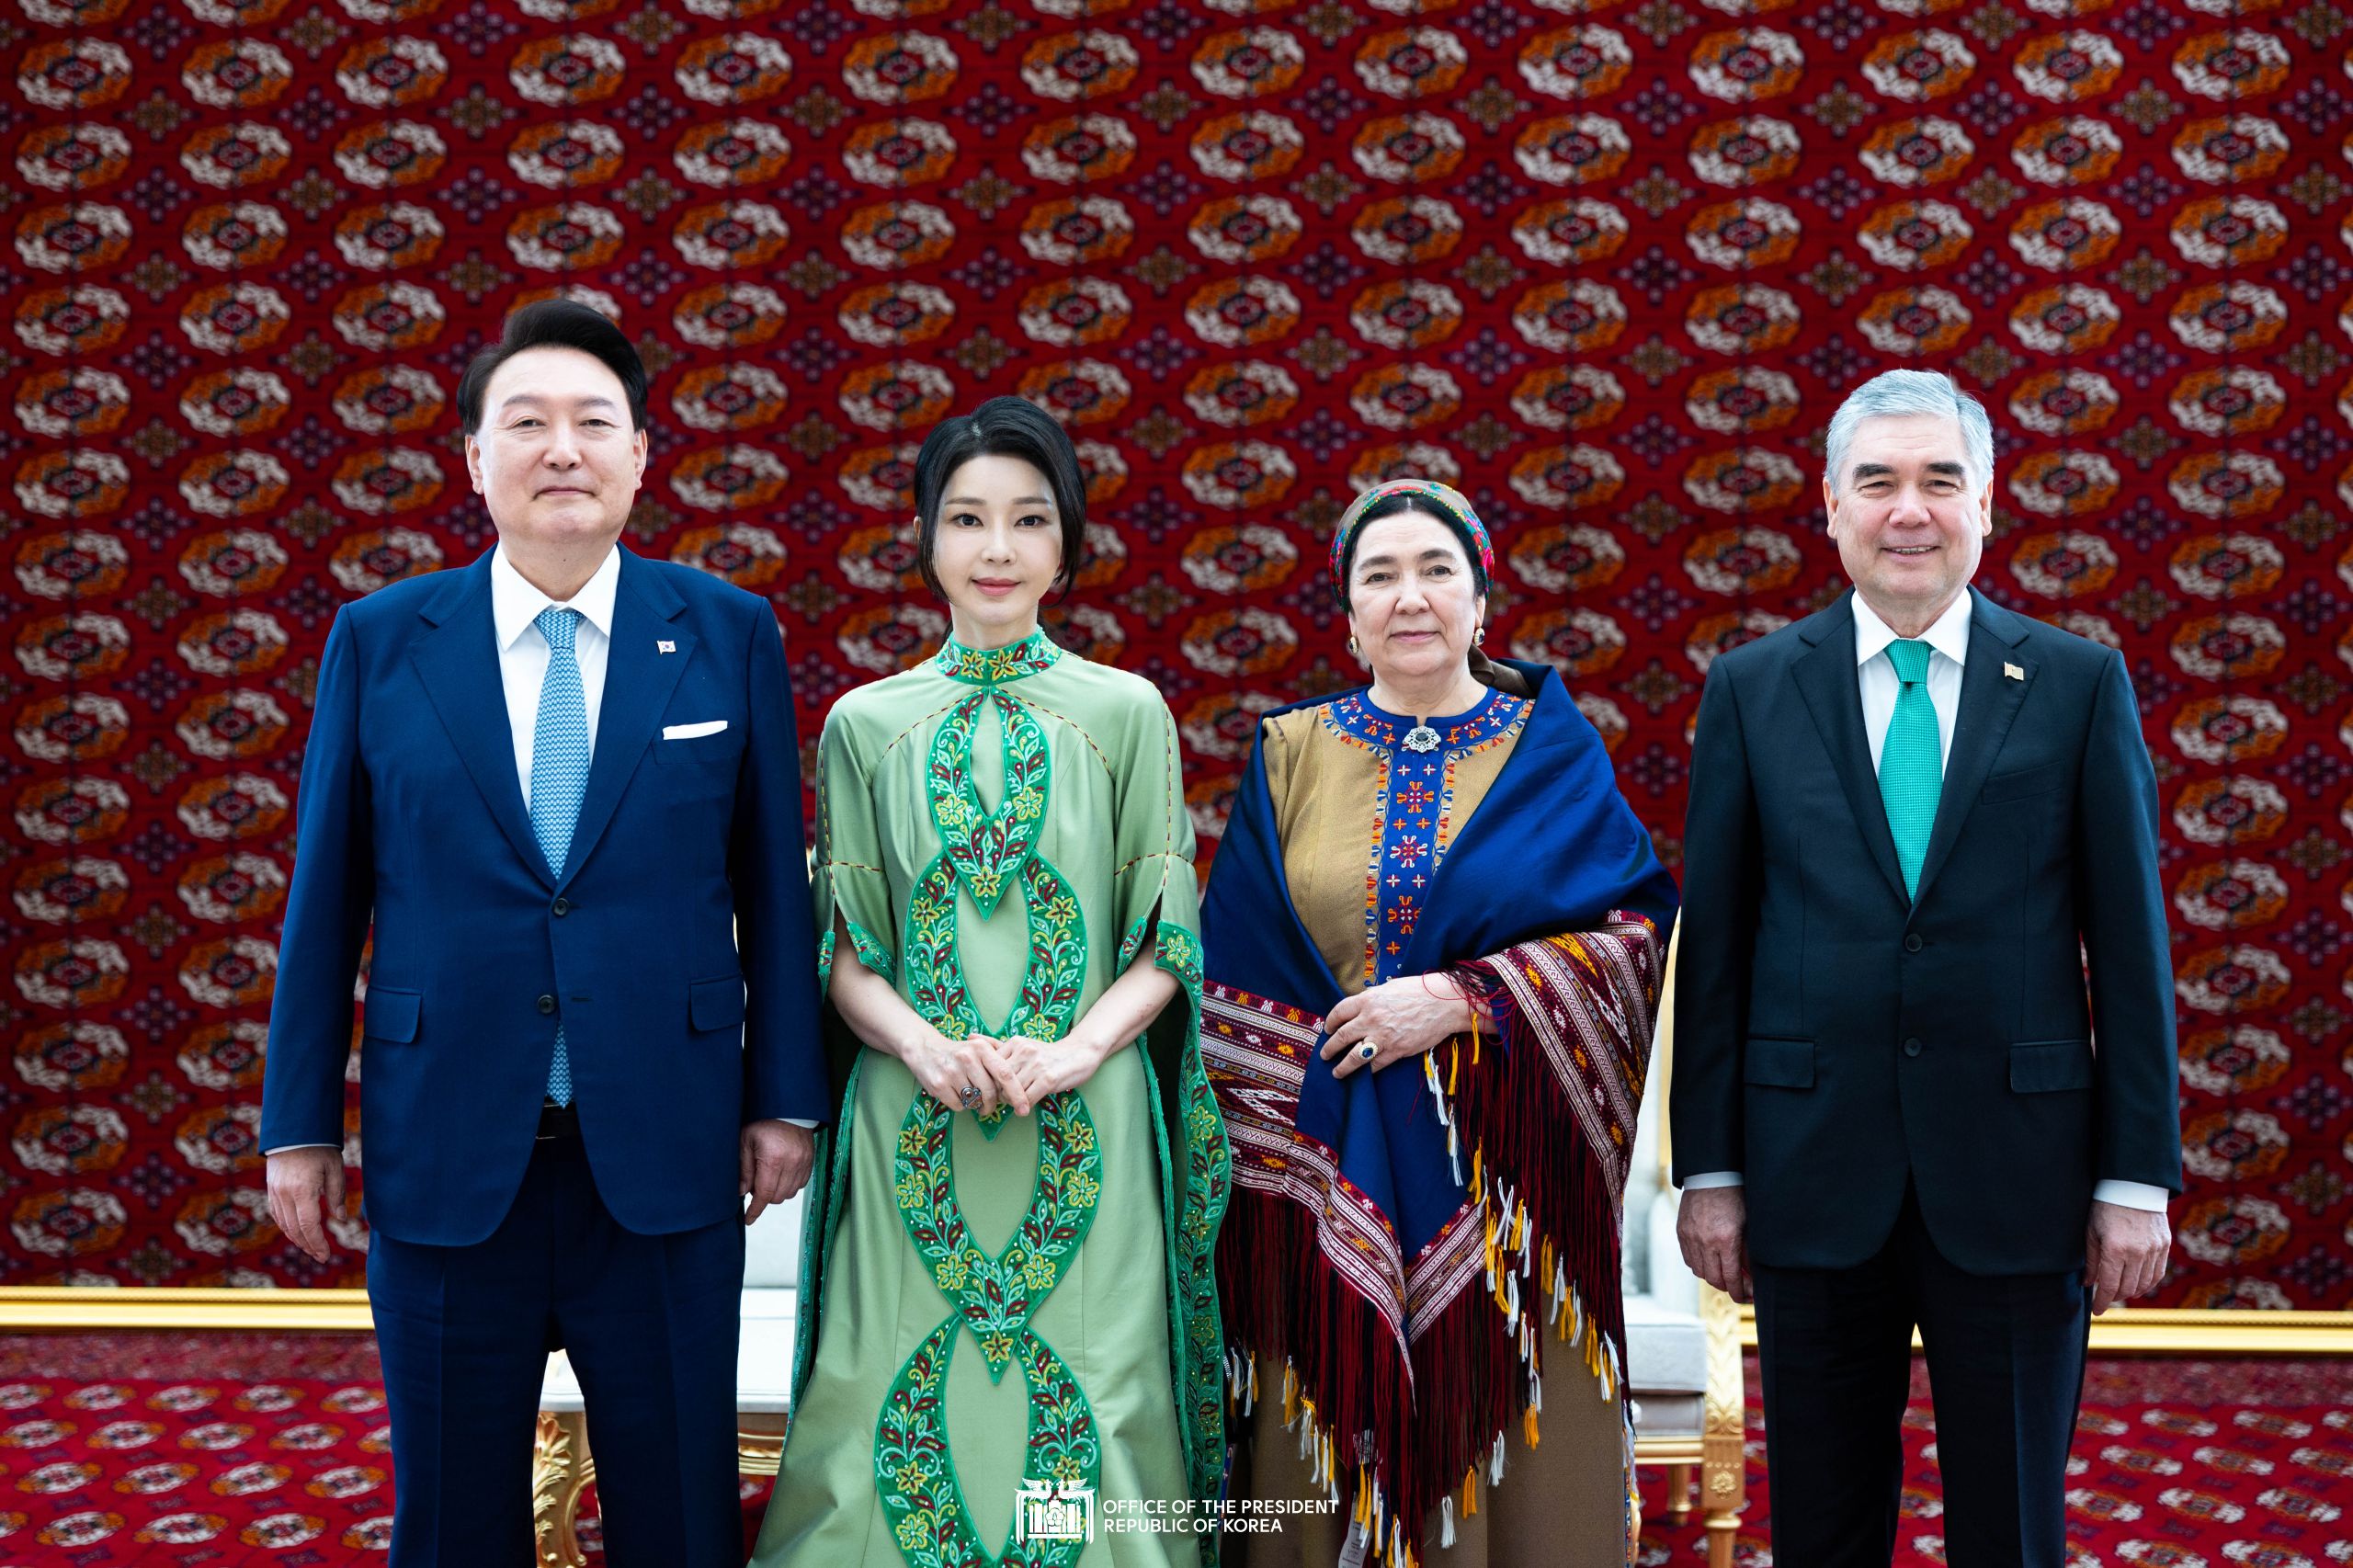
{"points": [[1421, 737]]}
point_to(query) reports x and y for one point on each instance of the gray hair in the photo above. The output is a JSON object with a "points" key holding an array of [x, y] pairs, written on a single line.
{"points": [[1895, 393]]}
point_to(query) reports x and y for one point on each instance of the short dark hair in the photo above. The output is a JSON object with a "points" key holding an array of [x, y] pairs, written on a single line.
{"points": [[1001, 427], [555, 323]]}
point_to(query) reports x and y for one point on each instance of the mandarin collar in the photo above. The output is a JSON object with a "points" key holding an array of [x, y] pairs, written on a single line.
{"points": [[994, 666]]}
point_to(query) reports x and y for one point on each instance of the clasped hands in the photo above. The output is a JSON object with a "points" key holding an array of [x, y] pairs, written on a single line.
{"points": [[981, 1072]]}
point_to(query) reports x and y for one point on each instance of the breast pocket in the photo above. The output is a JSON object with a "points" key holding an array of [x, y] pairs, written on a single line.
{"points": [[2020, 783], [701, 757]]}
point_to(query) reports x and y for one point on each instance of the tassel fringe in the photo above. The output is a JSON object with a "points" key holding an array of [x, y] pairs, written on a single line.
{"points": [[1472, 1372]]}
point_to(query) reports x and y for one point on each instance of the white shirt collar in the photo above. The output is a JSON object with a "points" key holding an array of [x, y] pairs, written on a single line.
{"points": [[515, 603], [1949, 635]]}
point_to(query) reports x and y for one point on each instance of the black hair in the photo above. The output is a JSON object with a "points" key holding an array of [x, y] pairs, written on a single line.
{"points": [[1001, 427], [555, 323], [1396, 507]]}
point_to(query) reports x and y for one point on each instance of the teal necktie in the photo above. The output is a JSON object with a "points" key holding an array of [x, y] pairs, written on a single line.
{"points": [[559, 775], [1911, 762]]}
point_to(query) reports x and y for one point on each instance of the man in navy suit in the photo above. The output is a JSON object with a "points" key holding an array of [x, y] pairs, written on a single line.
{"points": [[1917, 822], [563, 787]]}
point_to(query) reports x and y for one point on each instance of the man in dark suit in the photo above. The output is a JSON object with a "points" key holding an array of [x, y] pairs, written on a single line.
{"points": [[1913, 817], [563, 787]]}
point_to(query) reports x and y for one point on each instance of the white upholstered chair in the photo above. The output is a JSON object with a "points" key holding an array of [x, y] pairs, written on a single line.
{"points": [[1682, 1337]]}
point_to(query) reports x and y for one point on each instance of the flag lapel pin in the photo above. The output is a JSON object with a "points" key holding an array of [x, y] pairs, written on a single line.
{"points": [[2010, 670]]}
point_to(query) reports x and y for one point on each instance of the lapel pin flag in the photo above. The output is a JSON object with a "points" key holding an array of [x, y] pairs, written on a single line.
{"points": [[666, 646], [2010, 670]]}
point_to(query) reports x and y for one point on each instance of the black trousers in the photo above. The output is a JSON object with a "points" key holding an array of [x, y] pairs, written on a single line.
{"points": [[2006, 1366], [650, 1323]]}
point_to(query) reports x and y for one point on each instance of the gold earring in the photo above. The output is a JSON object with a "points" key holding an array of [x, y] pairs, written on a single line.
{"points": [[1353, 651]]}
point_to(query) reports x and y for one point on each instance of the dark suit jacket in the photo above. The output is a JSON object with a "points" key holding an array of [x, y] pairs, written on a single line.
{"points": [[1834, 1038], [675, 948]]}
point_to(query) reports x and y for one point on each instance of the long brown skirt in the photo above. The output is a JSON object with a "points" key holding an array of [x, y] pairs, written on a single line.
{"points": [[1561, 1504]]}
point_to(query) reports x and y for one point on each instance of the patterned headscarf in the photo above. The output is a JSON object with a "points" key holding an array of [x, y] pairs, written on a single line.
{"points": [[1450, 507]]}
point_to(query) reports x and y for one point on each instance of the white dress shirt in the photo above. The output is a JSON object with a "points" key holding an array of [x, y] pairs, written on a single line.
{"points": [[1947, 640], [515, 607]]}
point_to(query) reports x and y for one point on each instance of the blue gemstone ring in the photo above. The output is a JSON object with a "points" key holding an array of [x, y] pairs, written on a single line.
{"points": [[1366, 1051]]}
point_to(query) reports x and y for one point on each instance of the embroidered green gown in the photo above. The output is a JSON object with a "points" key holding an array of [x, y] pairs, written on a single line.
{"points": [[985, 1306]]}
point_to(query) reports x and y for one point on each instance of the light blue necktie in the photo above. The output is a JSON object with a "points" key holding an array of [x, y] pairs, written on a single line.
{"points": [[559, 776], [1911, 762]]}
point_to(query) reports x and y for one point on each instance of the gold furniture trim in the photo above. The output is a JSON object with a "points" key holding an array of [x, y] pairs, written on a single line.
{"points": [[2186, 1331], [24, 1307]]}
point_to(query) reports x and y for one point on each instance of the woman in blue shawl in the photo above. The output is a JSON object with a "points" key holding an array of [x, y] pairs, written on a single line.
{"points": [[1434, 934]]}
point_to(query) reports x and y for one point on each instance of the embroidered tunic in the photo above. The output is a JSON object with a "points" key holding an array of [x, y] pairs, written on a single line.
{"points": [[1366, 822], [990, 1306]]}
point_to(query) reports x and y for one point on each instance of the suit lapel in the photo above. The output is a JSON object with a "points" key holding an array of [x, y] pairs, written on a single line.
{"points": [[458, 662], [1832, 695], [1989, 701], [639, 678]]}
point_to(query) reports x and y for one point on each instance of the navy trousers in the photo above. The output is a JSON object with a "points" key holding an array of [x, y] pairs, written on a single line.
{"points": [[650, 1323], [2005, 1367]]}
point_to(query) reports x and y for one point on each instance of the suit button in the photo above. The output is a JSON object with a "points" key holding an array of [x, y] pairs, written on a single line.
{"points": [[1912, 1047], [547, 1004], [562, 907], [1912, 944]]}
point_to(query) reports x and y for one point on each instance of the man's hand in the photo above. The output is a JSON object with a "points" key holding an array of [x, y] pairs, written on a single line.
{"points": [[2125, 1253], [298, 1179], [774, 1159], [1712, 1225]]}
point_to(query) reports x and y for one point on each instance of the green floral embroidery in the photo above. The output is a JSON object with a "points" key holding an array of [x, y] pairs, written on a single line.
{"points": [[820, 1221], [988, 666], [1050, 982], [1197, 1333], [1209, 1173], [982, 854], [863, 942], [997, 1295], [986, 848], [915, 1474]]}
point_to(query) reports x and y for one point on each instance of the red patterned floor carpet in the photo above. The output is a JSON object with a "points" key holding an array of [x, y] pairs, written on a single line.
{"points": [[172, 1449]]}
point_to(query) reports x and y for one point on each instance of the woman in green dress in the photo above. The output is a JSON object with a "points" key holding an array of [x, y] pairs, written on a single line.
{"points": [[1009, 1319]]}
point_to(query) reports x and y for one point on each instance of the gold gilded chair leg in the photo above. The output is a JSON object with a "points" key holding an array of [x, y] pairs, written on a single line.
{"points": [[1678, 1495], [759, 1444], [562, 1468], [1723, 1472]]}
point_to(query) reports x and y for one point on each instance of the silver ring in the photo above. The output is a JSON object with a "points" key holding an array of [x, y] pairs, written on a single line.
{"points": [[969, 1095], [1366, 1051]]}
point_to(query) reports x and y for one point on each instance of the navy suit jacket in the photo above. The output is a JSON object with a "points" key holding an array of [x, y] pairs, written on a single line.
{"points": [[1834, 1039], [674, 947]]}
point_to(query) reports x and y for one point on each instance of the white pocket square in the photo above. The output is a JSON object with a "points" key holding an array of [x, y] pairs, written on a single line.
{"points": [[691, 731]]}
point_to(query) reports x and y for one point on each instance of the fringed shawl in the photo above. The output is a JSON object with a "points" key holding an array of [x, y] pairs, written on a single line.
{"points": [[1401, 1242]]}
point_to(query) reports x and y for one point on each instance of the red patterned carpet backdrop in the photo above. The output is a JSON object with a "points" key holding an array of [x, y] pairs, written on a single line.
{"points": [[1608, 266]]}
